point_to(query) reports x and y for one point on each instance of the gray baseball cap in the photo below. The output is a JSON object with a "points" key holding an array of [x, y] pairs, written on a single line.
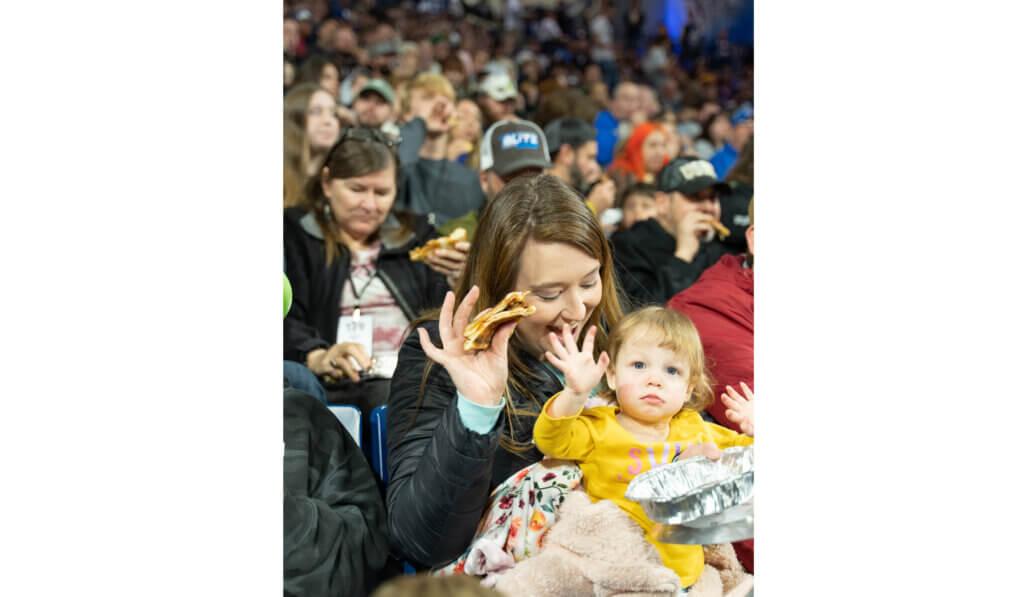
{"points": [[511, 145]]}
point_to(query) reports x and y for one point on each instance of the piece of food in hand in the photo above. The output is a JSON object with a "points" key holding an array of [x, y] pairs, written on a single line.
{"points": [[445, 242], [479, 332], [719, 228]]}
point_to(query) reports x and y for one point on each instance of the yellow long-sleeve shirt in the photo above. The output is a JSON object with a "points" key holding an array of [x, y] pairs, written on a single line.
{"points": [[610, 457]]}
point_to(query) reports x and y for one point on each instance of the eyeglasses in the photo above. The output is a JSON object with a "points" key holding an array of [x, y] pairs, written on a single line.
{"points": [[365, 135]]}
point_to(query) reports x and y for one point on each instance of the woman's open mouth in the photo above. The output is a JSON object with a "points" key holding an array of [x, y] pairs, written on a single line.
{"points": [[557, 330]]}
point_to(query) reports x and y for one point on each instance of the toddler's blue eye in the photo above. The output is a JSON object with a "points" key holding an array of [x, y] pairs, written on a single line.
{"points": [[638, 364], [672, 371]]}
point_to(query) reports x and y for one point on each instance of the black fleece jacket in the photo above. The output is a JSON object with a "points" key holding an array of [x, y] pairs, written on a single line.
{"points": [[442, 474], [312, 321]]}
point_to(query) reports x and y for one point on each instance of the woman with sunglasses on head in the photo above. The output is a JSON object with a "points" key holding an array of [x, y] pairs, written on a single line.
{"points": [[347, 257]]}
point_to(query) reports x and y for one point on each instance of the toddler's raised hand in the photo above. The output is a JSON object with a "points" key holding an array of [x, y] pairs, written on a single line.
{"points": [[582, 373], [740, 409]]}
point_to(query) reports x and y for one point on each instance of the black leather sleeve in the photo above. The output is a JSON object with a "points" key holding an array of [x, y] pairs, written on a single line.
{"points": [[440, 472]]}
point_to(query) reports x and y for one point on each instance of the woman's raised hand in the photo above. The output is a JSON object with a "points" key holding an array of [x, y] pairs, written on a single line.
{"points": [[582, 372], [479, 375], [740, 409]]}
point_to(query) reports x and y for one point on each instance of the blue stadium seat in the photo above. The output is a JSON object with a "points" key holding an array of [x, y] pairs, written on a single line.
{"points": [[379, 442], [350, 418], [379, 455]]}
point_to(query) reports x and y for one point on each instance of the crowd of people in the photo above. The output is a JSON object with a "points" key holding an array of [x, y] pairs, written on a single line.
{"points": [[578, 151]]}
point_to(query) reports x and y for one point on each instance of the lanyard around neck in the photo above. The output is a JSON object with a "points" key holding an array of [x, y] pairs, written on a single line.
{"points": [[359, 294]]}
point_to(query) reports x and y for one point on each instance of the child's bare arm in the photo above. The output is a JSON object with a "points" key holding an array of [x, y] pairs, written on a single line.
{"points": [[582, 373]]}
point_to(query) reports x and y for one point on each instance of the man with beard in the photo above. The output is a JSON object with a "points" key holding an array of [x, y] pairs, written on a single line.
{"points": [[509, 149], [374, 107], [659, 257], [573, 146]]}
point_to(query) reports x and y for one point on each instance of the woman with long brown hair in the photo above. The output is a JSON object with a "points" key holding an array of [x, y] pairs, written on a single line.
{"points": [[310, 128], [461, 423]]}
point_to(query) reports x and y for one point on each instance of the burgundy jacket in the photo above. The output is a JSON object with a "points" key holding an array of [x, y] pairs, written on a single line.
{"points": [[721, 305]]}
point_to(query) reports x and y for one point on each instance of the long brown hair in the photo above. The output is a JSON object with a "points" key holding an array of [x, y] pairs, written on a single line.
{"points": [[297, 153], [350, 157], [543, 209]]}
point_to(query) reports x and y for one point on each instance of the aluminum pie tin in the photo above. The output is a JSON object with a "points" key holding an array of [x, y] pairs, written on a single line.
{"points": [[710, 530], [695, 488]]}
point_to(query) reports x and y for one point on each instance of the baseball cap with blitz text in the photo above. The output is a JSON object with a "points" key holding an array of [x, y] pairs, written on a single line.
{"points": [[512, 145]]}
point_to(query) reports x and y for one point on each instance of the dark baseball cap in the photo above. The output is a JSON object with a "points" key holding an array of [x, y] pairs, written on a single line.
{"points": [[689, 176], [568, 131], [512, 145]]}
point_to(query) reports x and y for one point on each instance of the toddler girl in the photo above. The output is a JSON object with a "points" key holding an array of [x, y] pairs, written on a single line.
{"points": [[658, 387]]}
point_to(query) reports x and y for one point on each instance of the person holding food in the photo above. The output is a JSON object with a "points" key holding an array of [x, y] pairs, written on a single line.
{"points": [[355, 286], [658, 257], [460, 416], [657, 385]]}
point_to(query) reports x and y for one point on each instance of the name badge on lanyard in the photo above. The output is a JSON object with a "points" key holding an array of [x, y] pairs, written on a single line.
{"points": [[357, 328]]}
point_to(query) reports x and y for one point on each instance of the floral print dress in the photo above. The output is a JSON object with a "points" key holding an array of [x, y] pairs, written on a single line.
{"points": [[521, 511]]}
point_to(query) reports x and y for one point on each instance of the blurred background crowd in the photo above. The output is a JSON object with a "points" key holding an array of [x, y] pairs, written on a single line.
{"points": [[686, 68]]}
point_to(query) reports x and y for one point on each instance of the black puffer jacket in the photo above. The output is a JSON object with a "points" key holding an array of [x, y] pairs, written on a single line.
{"points": [[312, 321], [442, 473], [334, 528]]}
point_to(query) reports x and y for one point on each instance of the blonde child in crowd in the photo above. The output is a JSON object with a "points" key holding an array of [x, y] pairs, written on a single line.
{"points": [[658, 387]]}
